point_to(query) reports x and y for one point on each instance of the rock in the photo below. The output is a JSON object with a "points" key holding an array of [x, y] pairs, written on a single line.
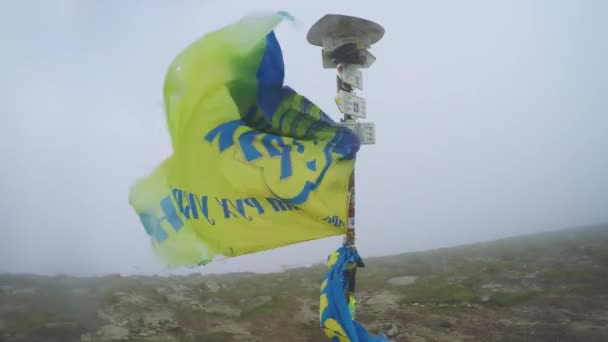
{"points": [[445, 324], [11, 291], [161, 320], [393, 331], [80, 292], [532, 275], [238, 332], [178, 298], [415, 338], [403, 280], [106, 315], [178, 288], [308, 312], [52, 325], [131, 298], [86, 337], [385, 325], [259, 301], [113, 333], [402, 337], [383, 301], [375, 326], [216, 307], [26, 291], [212, 286]]}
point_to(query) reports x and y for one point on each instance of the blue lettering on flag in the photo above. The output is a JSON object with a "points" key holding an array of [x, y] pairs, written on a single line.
{"points": [[152, 224], [335, 221]]}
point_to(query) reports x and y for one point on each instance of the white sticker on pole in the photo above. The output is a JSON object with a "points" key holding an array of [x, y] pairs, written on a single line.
{"points": [[351, 74], [350, 104], [329, 63], [366, 131], [335, 40]]}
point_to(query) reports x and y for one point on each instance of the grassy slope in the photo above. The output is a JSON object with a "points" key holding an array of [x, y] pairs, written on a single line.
{"points": [[545, 287]]}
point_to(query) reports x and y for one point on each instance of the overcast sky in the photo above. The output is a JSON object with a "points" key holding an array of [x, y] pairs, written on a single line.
{"points": [[491, 120]]}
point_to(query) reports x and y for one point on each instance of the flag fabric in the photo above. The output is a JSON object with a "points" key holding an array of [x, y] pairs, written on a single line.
{"points": [[335, 315], [255, 164]]}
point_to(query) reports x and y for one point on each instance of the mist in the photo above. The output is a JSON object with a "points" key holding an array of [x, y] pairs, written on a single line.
{"points": [[491, 121]]}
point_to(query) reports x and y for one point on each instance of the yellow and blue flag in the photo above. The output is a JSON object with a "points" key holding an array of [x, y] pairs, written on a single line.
{"points": [[255, 164], [335, 315]]}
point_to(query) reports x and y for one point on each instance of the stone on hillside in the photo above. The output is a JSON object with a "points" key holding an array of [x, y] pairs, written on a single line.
{"points": [[212, 286], [12, 291], [393, 331], [259, 301], [382, 301], [160, 321], [532, 275], [86, 337], [445, 324], [216, 307], [403, 280], [113, 333], [130, 298]]}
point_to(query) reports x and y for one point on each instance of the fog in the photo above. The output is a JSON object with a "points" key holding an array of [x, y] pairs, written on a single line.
{"points": [[491, 121]]}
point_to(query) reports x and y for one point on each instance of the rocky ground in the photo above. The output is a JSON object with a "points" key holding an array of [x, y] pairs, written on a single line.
{"points": [[547, 287]]}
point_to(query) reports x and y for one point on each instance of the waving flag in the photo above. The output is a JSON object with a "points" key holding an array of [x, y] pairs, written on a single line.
{"points": [[255, 165], [335, 315]]}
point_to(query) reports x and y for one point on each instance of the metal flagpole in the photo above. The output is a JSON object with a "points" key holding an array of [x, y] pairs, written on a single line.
{"points": [[345, 41]]}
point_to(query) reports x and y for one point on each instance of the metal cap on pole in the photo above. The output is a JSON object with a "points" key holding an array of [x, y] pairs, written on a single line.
{"points": [[345, 41]]}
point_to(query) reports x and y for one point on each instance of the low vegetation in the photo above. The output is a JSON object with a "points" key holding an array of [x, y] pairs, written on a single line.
{"points": [[544, 287]]}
